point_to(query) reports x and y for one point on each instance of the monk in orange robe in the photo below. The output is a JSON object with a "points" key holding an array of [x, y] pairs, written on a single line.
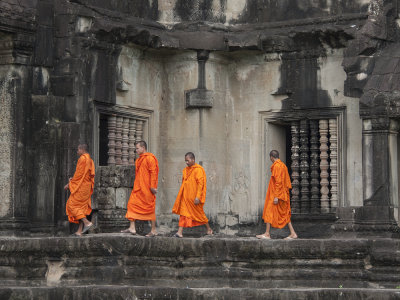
{"points": [[277, 202], [142, 202], [191, 197], [81, 187]]}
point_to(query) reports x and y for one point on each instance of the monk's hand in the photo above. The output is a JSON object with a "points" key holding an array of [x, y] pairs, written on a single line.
{"points": [[275, 201], [153, 190], [66, 186], [196, 201]]}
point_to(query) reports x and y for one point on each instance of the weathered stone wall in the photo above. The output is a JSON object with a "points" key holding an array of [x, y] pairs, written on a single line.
{"points": [[228, 138]]}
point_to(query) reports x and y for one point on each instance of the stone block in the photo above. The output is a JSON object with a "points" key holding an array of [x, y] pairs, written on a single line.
{"points": [[104, 198], [63, 85], [122, 197], [199, 98]]}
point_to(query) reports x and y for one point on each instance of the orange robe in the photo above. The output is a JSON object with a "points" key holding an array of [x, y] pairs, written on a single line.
{"points": [[193, 186], [278, 215], [142, 202], [81, 188]]}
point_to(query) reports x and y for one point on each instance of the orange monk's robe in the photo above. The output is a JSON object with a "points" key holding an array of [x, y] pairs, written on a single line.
{"points": [[81, 188], [142, 202], [193, 186], [278, 215]]}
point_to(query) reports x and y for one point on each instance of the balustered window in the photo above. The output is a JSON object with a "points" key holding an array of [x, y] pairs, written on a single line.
{"points": [[118, 131], [311, 155]]}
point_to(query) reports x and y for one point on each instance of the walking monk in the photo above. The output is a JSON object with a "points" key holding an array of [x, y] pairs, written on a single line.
{"points": [[81, 188], [191, 197], [142, 202], [277, 202]]}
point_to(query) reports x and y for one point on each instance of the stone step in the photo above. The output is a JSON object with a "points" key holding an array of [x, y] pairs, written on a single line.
{"points": [[108, 292], [195, 263]]}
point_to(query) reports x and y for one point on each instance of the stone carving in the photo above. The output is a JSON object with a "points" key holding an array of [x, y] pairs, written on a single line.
{"points": [[111, 140], [125, 139], [295, 166], [324, 165], [333, 162], [118, 141], [131, 145], [304, 166], [240, 189], [314, 149]]}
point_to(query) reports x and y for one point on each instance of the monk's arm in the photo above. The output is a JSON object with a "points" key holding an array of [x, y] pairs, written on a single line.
{"points": [[200, 185], [76, 180], [279, 184], [153, 173]]}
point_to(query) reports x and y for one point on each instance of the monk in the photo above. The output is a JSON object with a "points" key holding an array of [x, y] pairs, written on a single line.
{"points": [[277, 202], [191, 197], [142, 202], [81, 187]]}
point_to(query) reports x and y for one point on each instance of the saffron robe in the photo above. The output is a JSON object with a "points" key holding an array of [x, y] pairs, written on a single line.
{"points": [[278, 215], [142, 202], [81, 188], [194, 185]]}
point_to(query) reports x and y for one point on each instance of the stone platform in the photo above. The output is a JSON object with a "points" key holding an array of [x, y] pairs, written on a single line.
{"points": [[118, 266]]}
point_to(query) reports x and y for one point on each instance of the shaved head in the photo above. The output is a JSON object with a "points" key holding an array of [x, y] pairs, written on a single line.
{"points": [[83, 147], [274, 154], [142, 144], [190, 155]]}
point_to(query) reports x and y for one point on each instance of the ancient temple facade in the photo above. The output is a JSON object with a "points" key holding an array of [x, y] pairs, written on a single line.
{"points": [[229, 80]]}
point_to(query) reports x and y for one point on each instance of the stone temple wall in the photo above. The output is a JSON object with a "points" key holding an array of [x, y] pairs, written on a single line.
{"points": [[228, 80]]}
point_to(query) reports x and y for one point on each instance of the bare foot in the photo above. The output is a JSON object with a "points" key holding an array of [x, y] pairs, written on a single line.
{"points": [[291, 237], [263, 236], [152, 234], [128, 231], [209, 232]]}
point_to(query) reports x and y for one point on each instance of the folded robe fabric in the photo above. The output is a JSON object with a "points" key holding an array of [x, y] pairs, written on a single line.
{"points": [[194, 185], [278, 215], [81, 188], [142, 202]]}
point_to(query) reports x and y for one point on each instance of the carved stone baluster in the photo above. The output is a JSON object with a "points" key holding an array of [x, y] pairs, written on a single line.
{"points": [[314, 165], [132, 133], [324, 165], [304, 167], [333, 165], [118, 141], [139, 130], [111, 140], [295, 166], [125, 139]]}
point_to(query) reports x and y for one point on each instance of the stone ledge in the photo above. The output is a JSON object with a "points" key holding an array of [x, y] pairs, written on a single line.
{"points": [[134, 292]]}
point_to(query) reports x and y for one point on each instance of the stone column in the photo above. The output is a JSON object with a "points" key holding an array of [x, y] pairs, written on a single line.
{"points": [[324, 165], [295, 166], [314, 149], [118, 141], [333, 140], [112, 120], [379, 168], [125, 139], [304, 166], [132, 133]]}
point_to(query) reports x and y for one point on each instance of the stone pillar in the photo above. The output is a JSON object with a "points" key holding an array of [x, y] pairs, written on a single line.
{"points": [[111, 139], [132, 133], [333, 140], [295, 166], [314, 165], [15, 91], [304, 166], [379, 168], [125, 139], [118, 141], [324, 165]]}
